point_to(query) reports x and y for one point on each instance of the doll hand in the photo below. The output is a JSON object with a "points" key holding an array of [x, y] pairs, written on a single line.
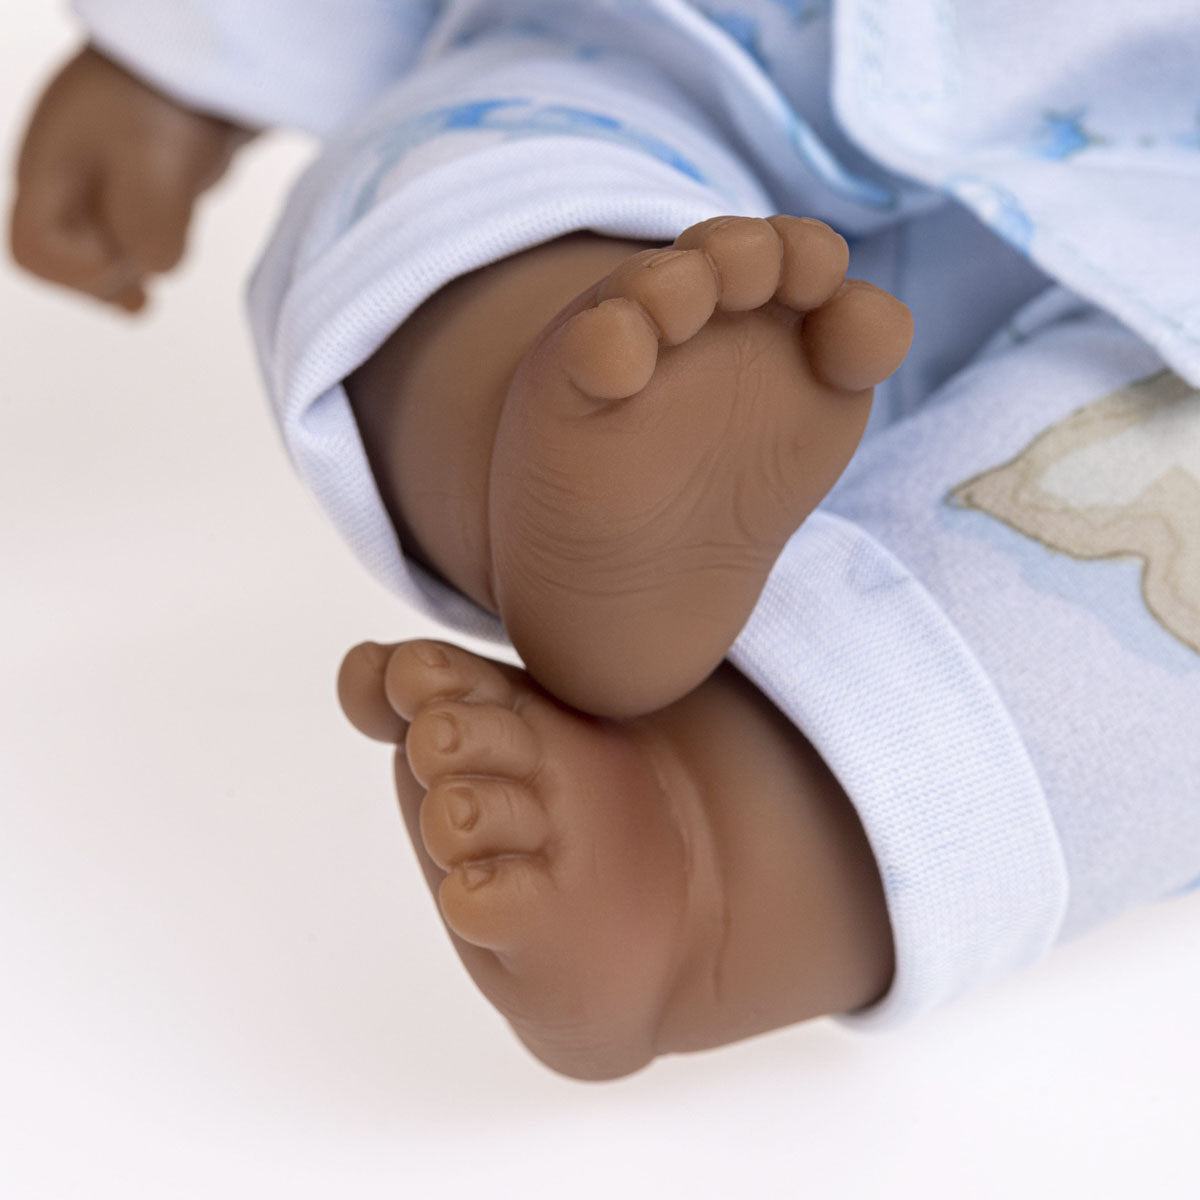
{"points": [[107, 179]]}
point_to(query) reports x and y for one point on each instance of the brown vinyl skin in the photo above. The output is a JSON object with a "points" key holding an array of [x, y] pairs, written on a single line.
{"points": [[607, 443]]}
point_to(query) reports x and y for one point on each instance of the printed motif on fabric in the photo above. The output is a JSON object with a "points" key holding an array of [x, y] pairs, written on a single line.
{"points": [[1118, 478]]}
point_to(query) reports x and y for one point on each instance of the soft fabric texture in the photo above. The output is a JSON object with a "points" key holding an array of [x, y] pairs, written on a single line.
{"points": [[998, 660], [991, 630]]}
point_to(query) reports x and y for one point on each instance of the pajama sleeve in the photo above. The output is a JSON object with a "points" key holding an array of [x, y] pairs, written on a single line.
{"points": [[991, 633], [1070, 128], [306, 64]]}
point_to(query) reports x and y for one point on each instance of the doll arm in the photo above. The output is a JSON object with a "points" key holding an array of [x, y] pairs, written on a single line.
{"points": [[107, 179], [304, 64], [141, 122]]}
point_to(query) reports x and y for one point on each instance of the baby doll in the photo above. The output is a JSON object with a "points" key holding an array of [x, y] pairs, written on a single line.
{"points": [[611, 447]]}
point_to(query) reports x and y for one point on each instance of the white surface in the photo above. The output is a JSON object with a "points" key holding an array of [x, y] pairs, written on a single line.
{"points": [[222, 975]]}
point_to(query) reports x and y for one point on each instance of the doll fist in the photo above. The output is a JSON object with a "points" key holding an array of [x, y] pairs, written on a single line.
{"points": [[107, 179]]}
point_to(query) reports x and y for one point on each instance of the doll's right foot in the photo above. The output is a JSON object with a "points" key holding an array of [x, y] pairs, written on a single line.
{"points": [[663, 439], [622, 890]]}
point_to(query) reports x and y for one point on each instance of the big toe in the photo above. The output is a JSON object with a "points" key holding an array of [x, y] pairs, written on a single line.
{"points": [[859, 337], [361, 695]]}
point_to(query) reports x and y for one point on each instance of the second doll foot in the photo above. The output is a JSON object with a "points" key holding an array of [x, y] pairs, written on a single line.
{"points": [[564, 854], [620, 890], [664, 438]]}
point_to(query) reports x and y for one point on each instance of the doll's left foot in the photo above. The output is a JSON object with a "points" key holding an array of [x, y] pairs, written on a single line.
{"points": [[661, 442], [619, 891]]}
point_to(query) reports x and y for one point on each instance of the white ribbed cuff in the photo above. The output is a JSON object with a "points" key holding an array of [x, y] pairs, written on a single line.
{"points": [[861, 658], [305, 64], [314, 330]]}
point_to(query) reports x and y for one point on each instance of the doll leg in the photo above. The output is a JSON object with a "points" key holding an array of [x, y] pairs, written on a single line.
{"points": [[620, 891], [617, 480]]}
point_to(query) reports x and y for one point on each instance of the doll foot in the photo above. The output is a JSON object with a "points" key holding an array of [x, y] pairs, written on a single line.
{"points": [[663, 439], [560, 863]]}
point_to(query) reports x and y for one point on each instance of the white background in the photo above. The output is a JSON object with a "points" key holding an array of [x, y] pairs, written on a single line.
{"points": [[220, 974]]}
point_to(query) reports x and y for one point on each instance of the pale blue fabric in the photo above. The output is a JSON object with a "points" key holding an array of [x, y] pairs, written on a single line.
{"points": [[1066, 787]]}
